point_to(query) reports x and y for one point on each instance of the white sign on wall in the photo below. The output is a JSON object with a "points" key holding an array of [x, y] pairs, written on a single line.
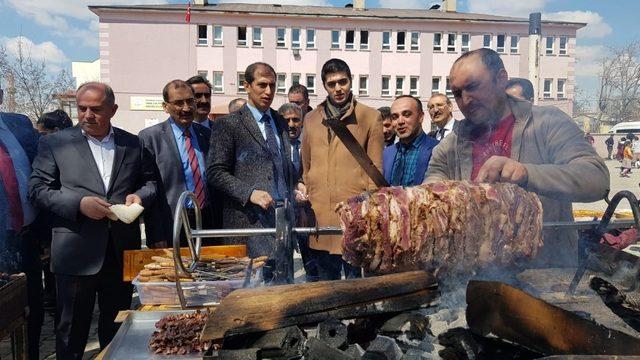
{"points": [[146, 103], [150, 122]]}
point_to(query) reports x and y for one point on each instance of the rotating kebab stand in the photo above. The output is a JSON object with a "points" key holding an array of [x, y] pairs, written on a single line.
{"points": [[283, 231]]}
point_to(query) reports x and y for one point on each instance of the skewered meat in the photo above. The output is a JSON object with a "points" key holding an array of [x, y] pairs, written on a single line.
{"points": [[449, 224], [180, 334]]}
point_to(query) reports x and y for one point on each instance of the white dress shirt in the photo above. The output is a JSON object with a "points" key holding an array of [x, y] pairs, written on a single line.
{"points": [[448, 128], [103, 152]]}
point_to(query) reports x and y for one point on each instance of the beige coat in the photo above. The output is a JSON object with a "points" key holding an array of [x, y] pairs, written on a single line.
{"points": [[562, 167], [330, 173]]}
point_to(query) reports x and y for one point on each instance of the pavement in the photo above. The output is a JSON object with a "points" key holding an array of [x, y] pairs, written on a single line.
{"points": [[47, 339]]}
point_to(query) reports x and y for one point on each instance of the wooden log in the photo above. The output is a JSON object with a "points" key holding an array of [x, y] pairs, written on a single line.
{"points": [[135, 260], [511, 314], [267, 308]]}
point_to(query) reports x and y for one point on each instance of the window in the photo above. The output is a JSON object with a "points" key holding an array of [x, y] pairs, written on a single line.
{"points": [[513, 48], [311, 83], [311, 38], [257, 36], [241, 82], [562, 48], [447, 89], [335, 39], [202, 35], [546, 91], [560, 88], [350, 39], [399, 85], [413, 85], [295, 79], [500, 43], [218, 84], [203, 73], [386, 40], [386, 84], [242, 36], [400, 37], [549, 45], [363, 88], [295, 38], [465, 43], [281, 84], [364, 40], [437, 42], [486, 41], [415, 41], [451, 42], [435, 84], [281, 37], [217, 35]]}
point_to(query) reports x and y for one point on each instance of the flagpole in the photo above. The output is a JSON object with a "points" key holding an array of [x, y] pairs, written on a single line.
{"points": [[187, 19]]}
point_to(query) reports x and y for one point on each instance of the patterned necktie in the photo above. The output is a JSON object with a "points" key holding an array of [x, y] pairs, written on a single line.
{"points": [[195, 170], [297, 163], [398, 169], [280, 186], [10, 182]]}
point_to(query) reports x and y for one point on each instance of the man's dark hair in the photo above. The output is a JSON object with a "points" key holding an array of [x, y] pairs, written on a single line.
{"points": [[174, 84], [299, 89], [249, 73], [525, 85], [109, 96], [418, 102], [199, 79], [55, 119], [489, 58], [385, 113], [334, 66]]}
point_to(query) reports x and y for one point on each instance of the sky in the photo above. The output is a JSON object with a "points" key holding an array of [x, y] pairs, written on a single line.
{"points": [[61, 31]]}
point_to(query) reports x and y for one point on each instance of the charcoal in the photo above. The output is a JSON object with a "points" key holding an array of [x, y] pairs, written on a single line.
{"points": [[355, 351], [284, 343], [383, 348], [414, 354], [413, 325], [239, 354], [365, 330], [318, 350], [333, 332]]}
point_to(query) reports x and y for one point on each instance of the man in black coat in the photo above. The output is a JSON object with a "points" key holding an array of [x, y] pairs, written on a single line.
{"points": [[250, 161], [77, 175]]}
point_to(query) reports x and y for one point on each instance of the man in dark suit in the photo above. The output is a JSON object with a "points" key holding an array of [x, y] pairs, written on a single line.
{"points": [[440, 109], [77, 175], [250, 161], [202, 93], [405, 162], [179, 147], [19, 245]]}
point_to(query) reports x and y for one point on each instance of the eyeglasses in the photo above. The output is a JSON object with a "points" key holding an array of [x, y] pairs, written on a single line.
{"points": [[206, 95], [181, 103]]}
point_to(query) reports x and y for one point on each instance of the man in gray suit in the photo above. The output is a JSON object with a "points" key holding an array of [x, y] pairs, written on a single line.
{"points": [[78, 174], [250, 160], [170, 144]]}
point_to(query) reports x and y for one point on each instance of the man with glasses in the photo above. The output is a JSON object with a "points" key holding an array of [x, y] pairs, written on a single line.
{"points": [[441, 111], [179, 147], [202, 93]]}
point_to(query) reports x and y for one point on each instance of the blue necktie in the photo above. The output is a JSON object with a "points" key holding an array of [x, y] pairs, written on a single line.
{"points": [[399, 165], [280, 185], [297, 163]]}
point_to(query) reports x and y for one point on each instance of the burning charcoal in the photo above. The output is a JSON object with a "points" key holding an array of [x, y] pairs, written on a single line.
{"points": [[383, 348], [462, 344], [365, 330], [459, 344], [281, 343], [318, 350], [239, 354], [413, 325], [355, 351], [333, 332]]}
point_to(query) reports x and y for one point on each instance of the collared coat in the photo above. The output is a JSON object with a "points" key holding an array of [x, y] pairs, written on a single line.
{"points": [[562, 168], [330, 173]]}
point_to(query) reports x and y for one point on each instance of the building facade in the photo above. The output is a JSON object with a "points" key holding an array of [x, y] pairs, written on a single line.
{"points": [[390, 52]]}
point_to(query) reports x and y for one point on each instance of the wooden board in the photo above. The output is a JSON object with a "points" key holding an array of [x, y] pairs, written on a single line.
{"points": [[135, 260], [262, 309], [13, 304]]}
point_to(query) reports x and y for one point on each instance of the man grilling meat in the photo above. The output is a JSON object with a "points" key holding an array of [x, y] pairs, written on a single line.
{"points": [[503, 139]]}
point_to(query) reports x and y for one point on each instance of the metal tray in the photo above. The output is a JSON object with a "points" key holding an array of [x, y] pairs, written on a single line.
{"points": [[132, 339]]}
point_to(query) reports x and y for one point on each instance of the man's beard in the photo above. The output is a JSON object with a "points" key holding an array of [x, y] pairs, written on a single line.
{"points": [[484, 127]]}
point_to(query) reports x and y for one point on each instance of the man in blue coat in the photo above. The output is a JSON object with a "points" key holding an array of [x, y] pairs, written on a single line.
{"points": [[405, 162]]}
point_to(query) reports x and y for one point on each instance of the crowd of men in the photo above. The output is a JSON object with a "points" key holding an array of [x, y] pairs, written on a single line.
{"points": [[244, 164]]}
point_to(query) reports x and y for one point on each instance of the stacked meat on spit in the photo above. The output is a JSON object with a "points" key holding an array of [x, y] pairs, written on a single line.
{"points": [[455, 225]]}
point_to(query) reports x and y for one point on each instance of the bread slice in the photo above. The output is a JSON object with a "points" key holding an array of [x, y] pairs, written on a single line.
{"points": [[126, 214]]}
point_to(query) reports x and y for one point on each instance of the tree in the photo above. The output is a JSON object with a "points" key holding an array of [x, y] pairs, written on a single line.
{"points": [[580, 102], [619, 91], [31, 87]]}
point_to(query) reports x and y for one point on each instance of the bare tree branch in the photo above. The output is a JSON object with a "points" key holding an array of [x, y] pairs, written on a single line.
{"points": [[619, 91]]}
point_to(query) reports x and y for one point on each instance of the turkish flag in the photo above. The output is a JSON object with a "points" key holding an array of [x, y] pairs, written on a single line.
{"points": [[187, 16]]}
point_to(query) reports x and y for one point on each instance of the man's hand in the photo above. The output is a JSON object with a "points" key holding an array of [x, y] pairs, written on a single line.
{"points": [[261, 198], [132, 198], [503, 169], [301, 193], [94, 207]]}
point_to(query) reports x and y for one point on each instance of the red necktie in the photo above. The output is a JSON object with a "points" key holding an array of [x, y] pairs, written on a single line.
{"points": [[195, 169], [10, 182]]}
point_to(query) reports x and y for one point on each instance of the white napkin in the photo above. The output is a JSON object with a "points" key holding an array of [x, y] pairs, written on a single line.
{"points": [[126, 214]]}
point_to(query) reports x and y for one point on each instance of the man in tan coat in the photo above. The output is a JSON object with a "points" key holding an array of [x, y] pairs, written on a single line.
{"points": [[510, 140], [330, 173]]}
